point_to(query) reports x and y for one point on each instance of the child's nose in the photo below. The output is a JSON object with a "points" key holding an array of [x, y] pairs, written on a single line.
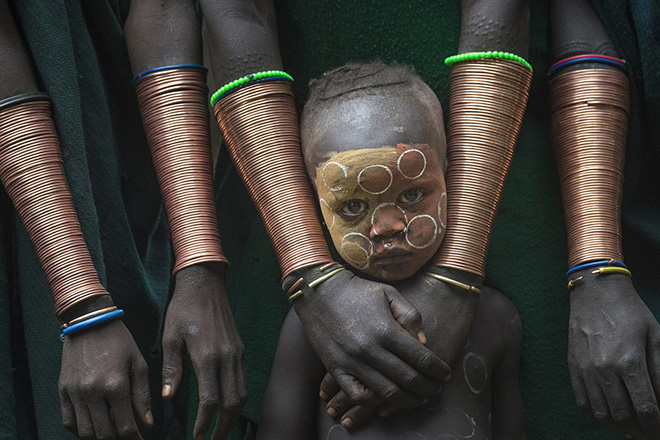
{"points": [[388, 221]]}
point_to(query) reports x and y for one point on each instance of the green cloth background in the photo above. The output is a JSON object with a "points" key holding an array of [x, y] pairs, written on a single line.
{"points": [[81, 62]]}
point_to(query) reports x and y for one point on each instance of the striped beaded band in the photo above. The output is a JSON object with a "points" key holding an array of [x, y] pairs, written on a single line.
{"points": [[490, 54], [266, 75], [160, 69], [617, 62]]}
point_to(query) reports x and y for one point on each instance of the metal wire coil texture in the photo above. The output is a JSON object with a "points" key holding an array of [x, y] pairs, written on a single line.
{"points": [[32, 171], [175, 115], [260, 127], [590, 109], [486, 107]]}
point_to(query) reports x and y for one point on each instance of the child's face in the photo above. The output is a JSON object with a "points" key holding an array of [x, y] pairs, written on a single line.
{"points": [[385, 207]]}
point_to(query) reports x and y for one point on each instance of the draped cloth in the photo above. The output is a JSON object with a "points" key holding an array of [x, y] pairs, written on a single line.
{"points": [[80, 60]]}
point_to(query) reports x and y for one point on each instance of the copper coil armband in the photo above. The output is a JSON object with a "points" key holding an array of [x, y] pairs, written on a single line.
{"points": [[175, 116], [488, 97], [589, 115], [259, 123], [32, 171]]}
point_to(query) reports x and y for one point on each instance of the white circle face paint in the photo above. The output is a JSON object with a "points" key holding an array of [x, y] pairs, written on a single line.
{"points": [[359, 259], [382, 205], [359, 179], [342, 167], [475, 363], [337, 432], [398, 164], [443, 197], [435, 231], [330, 214]]}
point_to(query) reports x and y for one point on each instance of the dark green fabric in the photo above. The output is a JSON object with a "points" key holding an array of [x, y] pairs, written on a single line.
{"points": [[81, 62]]}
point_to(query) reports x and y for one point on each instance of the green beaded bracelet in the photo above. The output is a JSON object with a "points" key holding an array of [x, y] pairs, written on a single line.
{"points": [[490, 54], [248, 79]]}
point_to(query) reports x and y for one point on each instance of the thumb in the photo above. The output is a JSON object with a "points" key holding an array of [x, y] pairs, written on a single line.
{"points": [[405, 314], [172, 366], [140, 395]]}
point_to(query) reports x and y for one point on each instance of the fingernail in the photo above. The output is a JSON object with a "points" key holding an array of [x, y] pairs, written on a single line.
{"points": [[332, 412], [347, 423], [425, 401], [447, 378], [167, 391], [322, 395], [421, 337], [149, 417]]}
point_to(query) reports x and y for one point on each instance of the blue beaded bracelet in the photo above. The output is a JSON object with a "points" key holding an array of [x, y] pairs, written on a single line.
{"points": [[597, 263], [75, 328], [159, 69]]}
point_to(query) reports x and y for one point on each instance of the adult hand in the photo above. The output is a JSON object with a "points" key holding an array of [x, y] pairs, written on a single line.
{"points": [[199, 322], [447, 312], [102, 380], [614, 354], [362, 332]]}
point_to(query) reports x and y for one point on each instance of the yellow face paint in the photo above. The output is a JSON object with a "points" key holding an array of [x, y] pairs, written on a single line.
{"points": [[385, 207]]}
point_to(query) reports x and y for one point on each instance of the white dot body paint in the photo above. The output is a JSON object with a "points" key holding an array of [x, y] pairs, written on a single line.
{"points": [[329, 226], [375, 166], [337, 432], [475, 388], [343, 168], [442, 196], [351, 239], [435, 231], [398, 164], [412, 435]]}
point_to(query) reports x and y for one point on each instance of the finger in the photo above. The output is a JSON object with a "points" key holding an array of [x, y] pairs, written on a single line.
{"points": [[122, 411], [341, 403], [388, 410], [406, 315], [173, 352], [598, 407], [623, 418], [405, 376], [379, 384], [653, 354], [357, 415], [581, 395], [329, 387], [140, 395], [209, 399], [84, 426], [234, 395], [100, 414], [644, 401], [68, 413]]}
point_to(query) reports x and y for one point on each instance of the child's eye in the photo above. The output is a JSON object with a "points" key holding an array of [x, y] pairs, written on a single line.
{"points": [[412, 196], [353, 208]]}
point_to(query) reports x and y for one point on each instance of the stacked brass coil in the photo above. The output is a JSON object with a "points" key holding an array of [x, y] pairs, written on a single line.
{"points": [[175, 116], [260, 126], [32, 172], [487, 102], [589, 124]]}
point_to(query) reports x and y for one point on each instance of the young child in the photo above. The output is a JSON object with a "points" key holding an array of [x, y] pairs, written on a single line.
{"points": [[374, 145]]}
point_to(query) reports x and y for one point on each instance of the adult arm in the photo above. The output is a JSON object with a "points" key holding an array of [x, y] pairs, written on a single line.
{"points": [[614, 340], [348, 321], [103, 376], [198, 322]]}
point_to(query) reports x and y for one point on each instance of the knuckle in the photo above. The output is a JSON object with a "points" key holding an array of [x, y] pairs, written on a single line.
{"points": [[169, 370], [232, 403], [601, 415], [126, 430], [648, 411], [412, 316], [390, 393], [209, 400], [621, 415], [627, 364]]}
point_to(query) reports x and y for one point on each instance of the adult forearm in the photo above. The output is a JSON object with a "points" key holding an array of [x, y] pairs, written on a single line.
{"points": [[488, 95], [32, 172]]}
